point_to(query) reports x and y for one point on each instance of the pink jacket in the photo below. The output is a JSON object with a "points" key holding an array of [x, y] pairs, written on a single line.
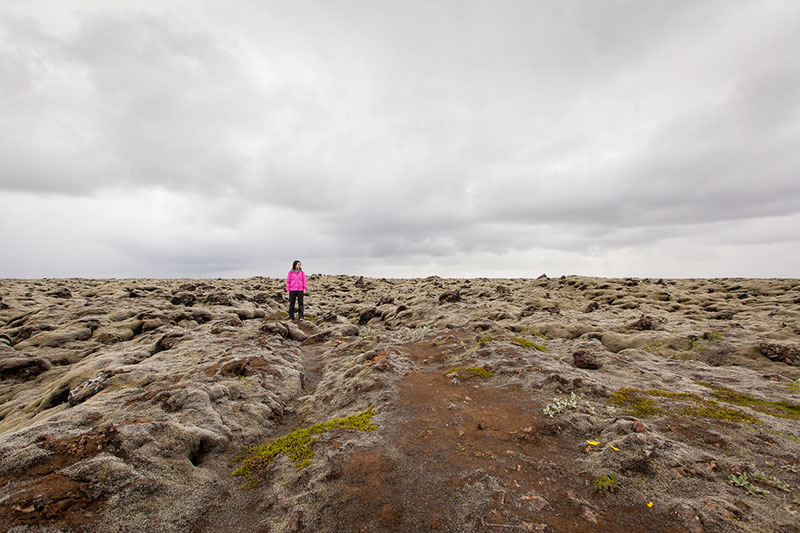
{"points": [[296, 281]]}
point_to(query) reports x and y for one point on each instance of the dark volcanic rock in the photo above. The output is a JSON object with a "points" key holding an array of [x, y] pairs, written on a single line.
{"points": [[644, 323], [218, 298], [367, 315], [585, 359], [780, 353], [449, 296], [62, 292], [168, 341], [183, 298], [262, 298], [21, 366]]}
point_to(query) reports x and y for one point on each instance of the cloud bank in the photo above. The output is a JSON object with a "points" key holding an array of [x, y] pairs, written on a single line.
{"points": [[400, 139]]}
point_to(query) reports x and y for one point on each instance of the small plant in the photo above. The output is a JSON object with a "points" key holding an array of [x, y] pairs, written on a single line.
{"points": [[656, 347], [537, 333], [560, 405], [589, 407], [742, 480], [483, 339], [413, 335], [529, 345], [739, 480], [713, 336], [367, 331], [609, 482], [794, 508], [698, 345], [778, 484], [755, 490], [793, 386], [611, 412]]}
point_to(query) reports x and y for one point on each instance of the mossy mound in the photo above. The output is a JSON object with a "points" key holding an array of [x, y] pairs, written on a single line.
{"points": [[644, 404], [465, 373], [787, 410], [297, 446]]}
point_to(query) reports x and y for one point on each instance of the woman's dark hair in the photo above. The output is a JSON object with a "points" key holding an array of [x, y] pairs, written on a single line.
{"points": [[294, 264]]}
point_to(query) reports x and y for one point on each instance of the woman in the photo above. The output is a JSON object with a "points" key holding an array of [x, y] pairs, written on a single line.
{"points": [[296, 287]]}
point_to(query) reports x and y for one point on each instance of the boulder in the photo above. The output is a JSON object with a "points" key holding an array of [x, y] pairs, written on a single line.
{"points": [[57, 338], [22, 367], [643, 323], [780, 353], [218, 298], [449, 296], [586, 359], [61, 292], [183, 298]]}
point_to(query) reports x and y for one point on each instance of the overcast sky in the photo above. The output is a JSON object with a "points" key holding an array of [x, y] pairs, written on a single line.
{"points": [[399, 139]]}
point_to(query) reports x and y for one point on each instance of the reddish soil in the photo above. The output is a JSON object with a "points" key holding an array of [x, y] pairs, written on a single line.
{"points": [[41, 496], [471, 455]]}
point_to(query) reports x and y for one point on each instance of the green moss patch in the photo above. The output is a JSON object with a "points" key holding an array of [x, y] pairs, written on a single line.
{"points": [[653, 402], [779, 409], [465, 373], [529, 344], [297, 446], [636, 402]]}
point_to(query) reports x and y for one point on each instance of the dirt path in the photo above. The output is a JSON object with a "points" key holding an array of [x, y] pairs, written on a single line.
{"points": [[470, 456]]}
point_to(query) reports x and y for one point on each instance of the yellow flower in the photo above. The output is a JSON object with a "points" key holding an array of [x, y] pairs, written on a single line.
{"points": [[592, 442], [649, 504], [613, 448]]}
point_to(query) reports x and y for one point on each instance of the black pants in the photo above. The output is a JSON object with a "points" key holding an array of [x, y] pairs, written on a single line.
{"points": [[296, 295]]}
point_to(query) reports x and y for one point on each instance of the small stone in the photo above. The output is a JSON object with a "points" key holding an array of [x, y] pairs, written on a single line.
{"points": [[638, 427], [644, 323], [585, 359], [296, 521], [589, 515]]}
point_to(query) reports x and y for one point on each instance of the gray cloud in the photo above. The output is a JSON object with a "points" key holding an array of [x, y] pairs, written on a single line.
{"points": [[397, 134]]}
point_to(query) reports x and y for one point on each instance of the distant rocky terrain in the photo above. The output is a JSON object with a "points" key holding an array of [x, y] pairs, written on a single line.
{"points": [[458, 405]]}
